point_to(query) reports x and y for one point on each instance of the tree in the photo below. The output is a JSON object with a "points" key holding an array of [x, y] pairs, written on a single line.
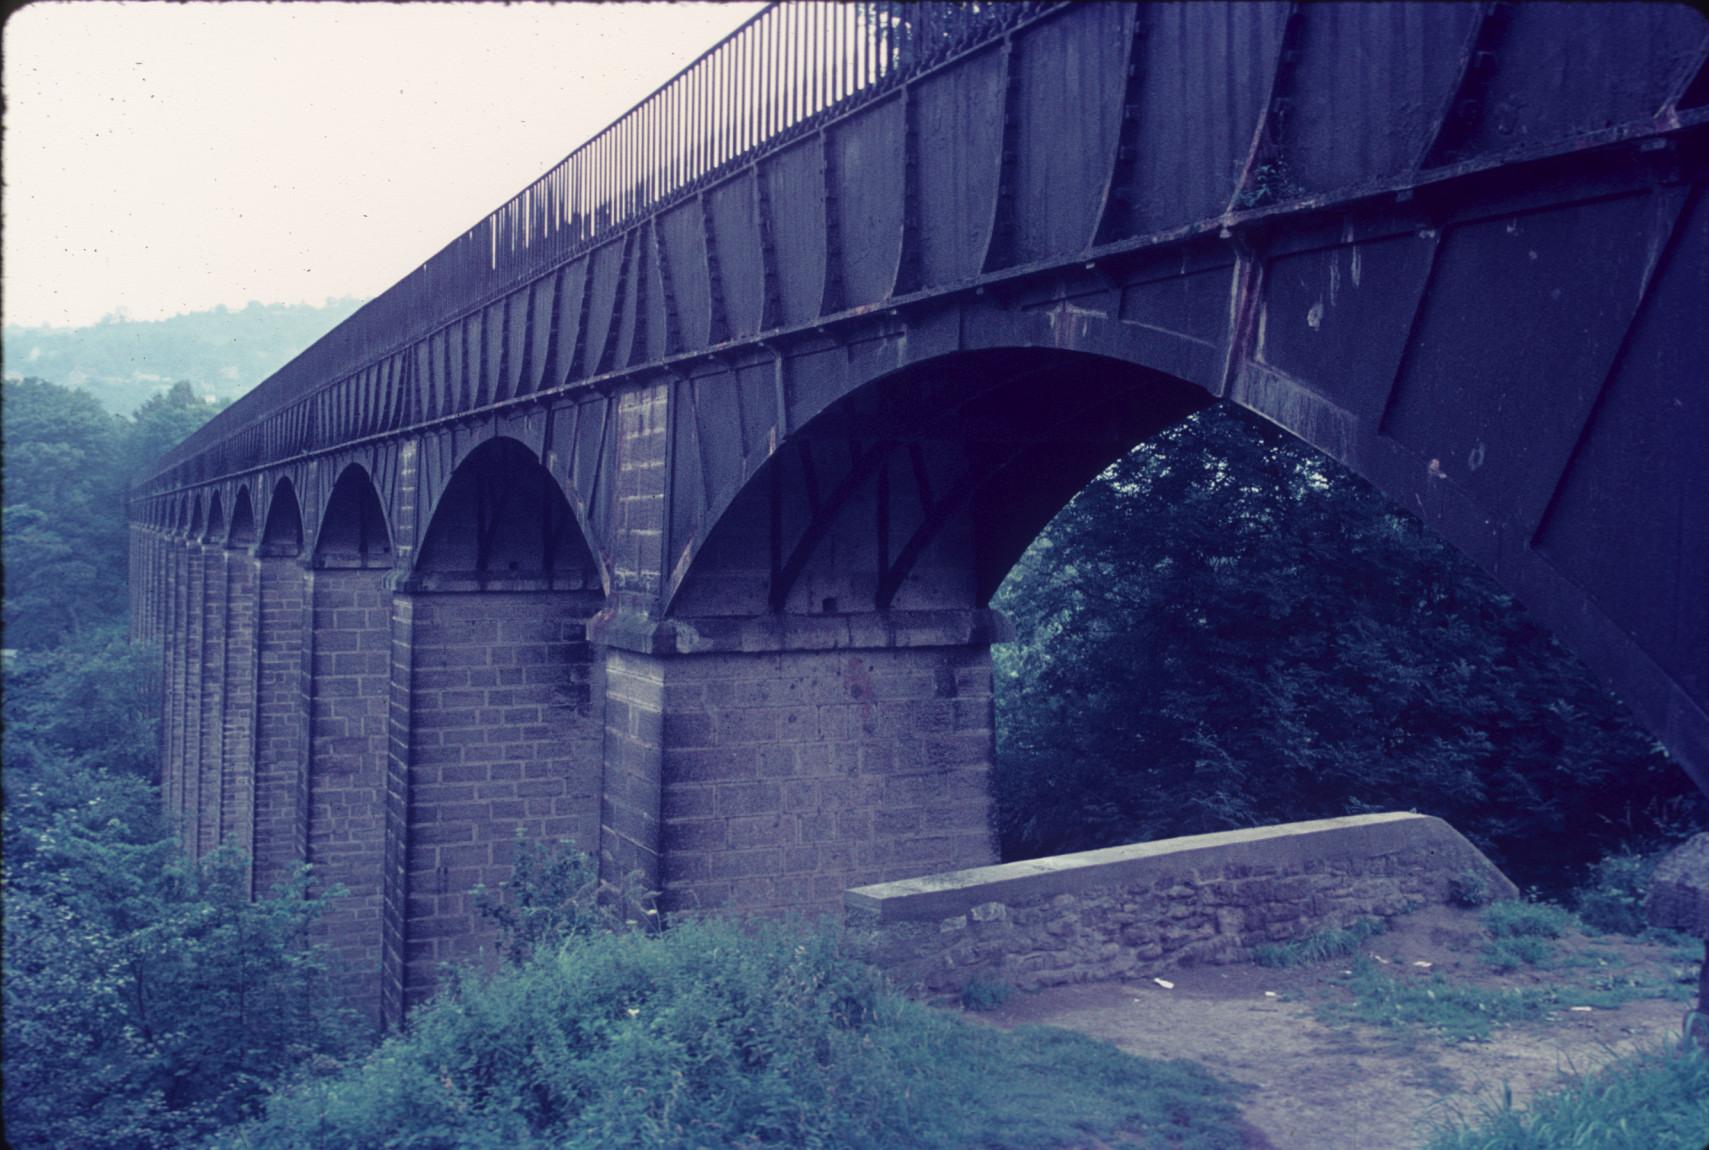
{"points": [[148, 1000], [160, 423], [67, 467], [1227, 630], [64, 521]]}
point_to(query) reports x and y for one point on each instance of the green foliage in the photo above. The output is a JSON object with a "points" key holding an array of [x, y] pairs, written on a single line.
{"points": [[1227, 630], [1515, 919], [714, 1034], [89, 700], [1456, 1012], [1469, 889], [1612, 896], [1508, 954], [1653, 1099], [983, 994], [1336, 942], [65, 542], [67, 464], [160, 423], [552, 895], [1465, 1012], [155, 1003], [147, 1001]]}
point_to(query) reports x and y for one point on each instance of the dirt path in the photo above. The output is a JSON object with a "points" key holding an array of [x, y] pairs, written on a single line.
{"points": [[1318, 1087]]}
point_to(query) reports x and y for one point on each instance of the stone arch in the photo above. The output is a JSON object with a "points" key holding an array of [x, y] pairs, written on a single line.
{"points": [[195, 526], [214, 532], [283, 532], [353, 531], [242, 530], [502, 522]]}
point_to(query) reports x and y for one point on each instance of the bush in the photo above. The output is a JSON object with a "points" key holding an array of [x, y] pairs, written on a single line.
{"points": [[1469, 889], [552, 895], [985, 993], [1612, 897], [712, 1034], [149, 1001]]}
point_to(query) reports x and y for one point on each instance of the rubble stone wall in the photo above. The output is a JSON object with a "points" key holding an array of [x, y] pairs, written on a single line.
{"points": [[1145, 908]]}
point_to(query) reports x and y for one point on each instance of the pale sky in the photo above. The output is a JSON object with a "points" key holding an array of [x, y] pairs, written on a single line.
{"points": [[163, 158]]}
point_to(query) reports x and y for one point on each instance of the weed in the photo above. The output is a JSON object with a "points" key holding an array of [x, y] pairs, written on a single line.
{"points": [[1514, 919], [725, 1034], [1270, 183], [1652, 1098], [1455, 1012], [1511, 952], [1460, 1012], [1325, 944], [985, 993]]}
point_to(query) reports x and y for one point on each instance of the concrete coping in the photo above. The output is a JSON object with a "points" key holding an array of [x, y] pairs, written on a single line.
{"points": [[1285, 847]]}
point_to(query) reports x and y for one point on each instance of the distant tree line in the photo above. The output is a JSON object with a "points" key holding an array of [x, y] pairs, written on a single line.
{"points": [[225, 351], [67, 464]]}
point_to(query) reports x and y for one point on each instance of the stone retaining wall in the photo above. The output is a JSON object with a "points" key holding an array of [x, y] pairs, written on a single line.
{"points": [[1147, 907]]}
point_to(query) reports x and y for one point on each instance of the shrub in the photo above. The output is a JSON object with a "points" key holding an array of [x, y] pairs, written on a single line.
{"points": [[552, 895], [712, 1034], [985, 993], [1468, 889], [1612, 896]]}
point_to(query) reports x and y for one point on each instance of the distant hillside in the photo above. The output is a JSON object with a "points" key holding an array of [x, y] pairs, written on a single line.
{"points": [[223, 353]]}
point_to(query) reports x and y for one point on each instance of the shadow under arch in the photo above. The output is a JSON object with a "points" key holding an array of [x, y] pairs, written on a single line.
{"points": [[194, 530], [242, 531], [502, 523], [215, 531], [352, 531], [921, 488], [282, 534]]}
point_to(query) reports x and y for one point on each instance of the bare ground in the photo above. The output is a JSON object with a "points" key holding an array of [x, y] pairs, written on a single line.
{"points": [[1356, 1087]]}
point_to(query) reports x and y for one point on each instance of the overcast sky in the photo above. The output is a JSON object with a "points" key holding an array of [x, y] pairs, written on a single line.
{"points": [[163, 158]]}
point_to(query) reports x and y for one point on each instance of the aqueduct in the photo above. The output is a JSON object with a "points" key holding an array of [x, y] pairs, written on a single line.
{"points": [[662, 508]]}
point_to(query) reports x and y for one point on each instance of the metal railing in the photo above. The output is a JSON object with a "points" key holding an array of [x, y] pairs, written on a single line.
{"points": [[779, 75]]}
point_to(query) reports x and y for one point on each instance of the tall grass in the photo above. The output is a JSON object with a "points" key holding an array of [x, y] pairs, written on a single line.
{"points": [[714, 1035], [1336, 942], [1655, 1099]]}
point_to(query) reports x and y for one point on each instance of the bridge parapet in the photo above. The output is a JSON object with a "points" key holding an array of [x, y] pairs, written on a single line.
{"points": [[779, 77], [1149, 907]]}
